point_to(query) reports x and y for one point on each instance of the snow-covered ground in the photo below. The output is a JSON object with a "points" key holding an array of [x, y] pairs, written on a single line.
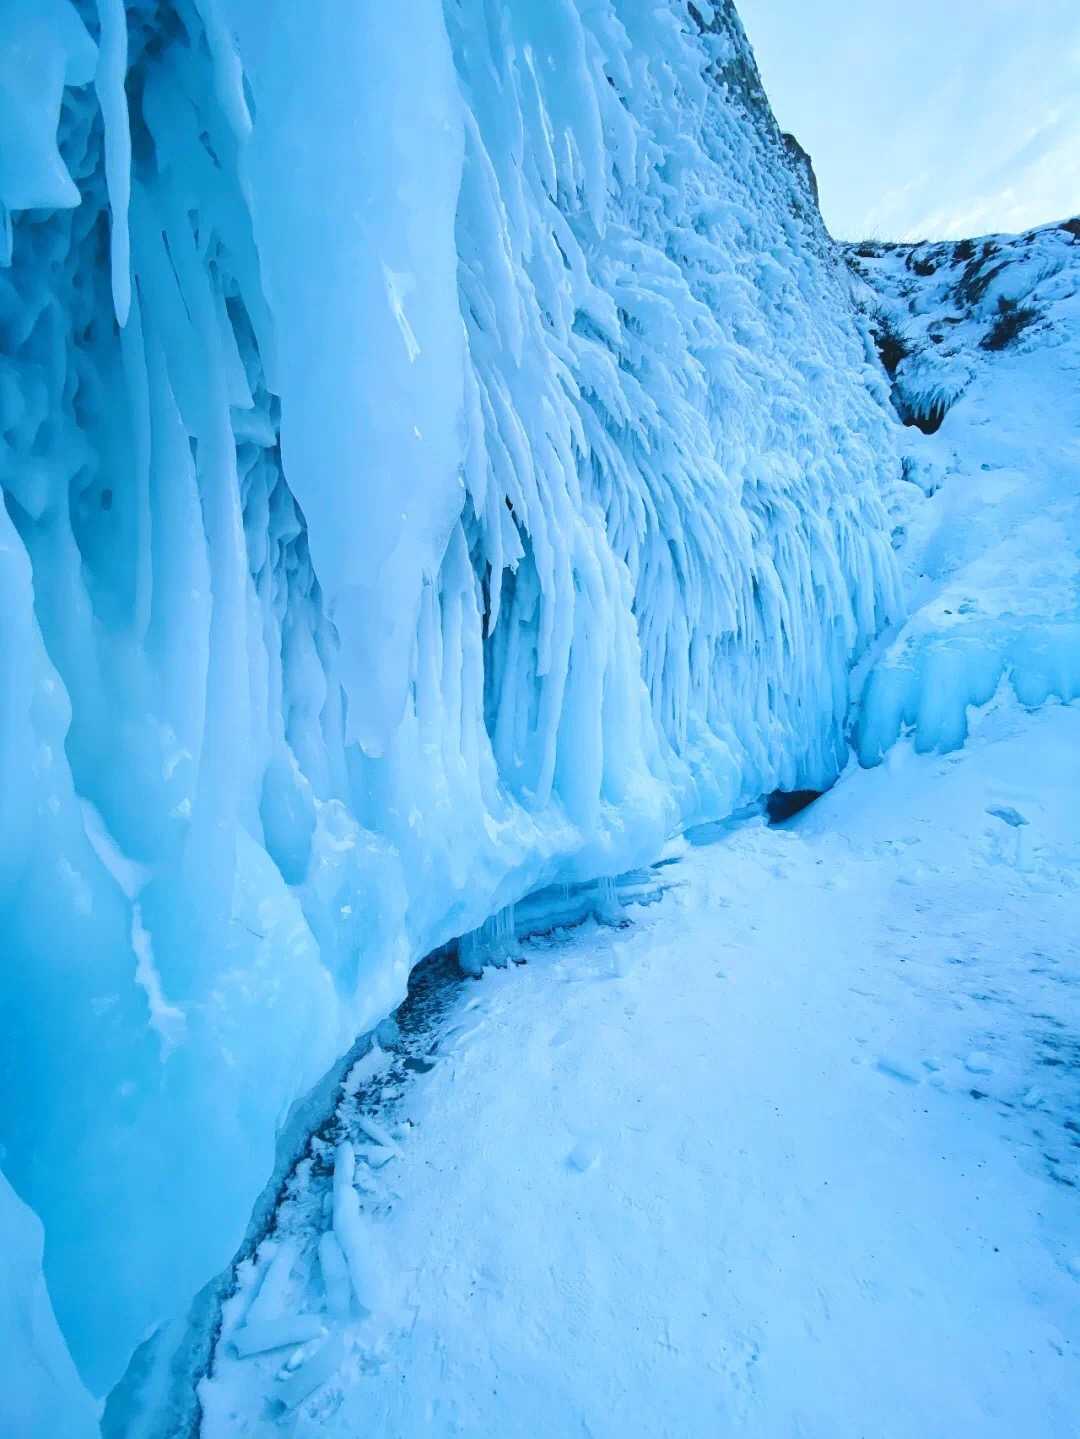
{"points": [[794, 1152], [983, 338]]}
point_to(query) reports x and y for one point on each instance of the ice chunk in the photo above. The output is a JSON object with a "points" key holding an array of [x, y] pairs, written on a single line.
{"points": [[287, 1331], [272, 1298], [353, 1233], [375, 1131], [335, 1277], [312, 1374]]}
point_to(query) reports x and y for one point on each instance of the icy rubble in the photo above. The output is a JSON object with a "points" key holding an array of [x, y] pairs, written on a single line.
{"points": [[439, 460], [982, 339]]}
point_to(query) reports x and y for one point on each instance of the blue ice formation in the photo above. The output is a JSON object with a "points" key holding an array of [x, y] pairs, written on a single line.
{"points": [[440, 458]]}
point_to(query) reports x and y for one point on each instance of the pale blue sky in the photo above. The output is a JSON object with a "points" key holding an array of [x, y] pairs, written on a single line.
{"points": [[935, 118]]}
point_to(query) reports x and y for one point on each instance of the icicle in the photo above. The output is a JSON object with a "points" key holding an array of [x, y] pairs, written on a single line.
{"points": [[109, 80], [495, 942]]}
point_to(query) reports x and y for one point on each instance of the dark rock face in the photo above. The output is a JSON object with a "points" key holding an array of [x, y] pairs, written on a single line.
{"points": [[783, 804]]}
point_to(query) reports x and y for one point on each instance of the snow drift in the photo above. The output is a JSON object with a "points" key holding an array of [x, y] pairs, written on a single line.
{"points": [[440, 458]]}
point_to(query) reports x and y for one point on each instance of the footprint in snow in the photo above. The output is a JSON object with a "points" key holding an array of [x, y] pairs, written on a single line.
{"points": [[1006, 812], [584, 1154], [895, 1068]]}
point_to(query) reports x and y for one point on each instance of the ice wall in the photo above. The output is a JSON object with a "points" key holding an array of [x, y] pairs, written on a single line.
{"points": [[439, 459], [42, 1395]]}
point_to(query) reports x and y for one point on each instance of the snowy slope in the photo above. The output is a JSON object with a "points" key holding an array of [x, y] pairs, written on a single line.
{"points": [[983, 339], [792, 1153], [797, 1151], [439, 459]]}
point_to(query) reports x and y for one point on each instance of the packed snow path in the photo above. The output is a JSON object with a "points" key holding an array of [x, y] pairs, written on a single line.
{"points": [[793, 1153]]}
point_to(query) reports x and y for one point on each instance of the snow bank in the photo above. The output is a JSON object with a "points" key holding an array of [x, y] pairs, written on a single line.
{"points": [[439, 460], [983, 338]]}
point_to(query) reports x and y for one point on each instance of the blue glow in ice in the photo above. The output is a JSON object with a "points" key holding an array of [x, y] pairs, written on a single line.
{"points": [[440, 459]]}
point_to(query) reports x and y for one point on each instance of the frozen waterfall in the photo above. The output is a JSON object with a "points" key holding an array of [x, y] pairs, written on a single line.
{"points": [[440, 459]]}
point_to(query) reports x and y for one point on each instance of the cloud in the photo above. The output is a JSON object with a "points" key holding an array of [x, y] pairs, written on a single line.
{"points": [[1038, 182], [938, 118]]}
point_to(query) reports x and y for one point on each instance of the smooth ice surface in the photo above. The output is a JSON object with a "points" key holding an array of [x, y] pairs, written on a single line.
{"points": [[439, 459], [42, 1397], [991, 553], [794, 1152]]}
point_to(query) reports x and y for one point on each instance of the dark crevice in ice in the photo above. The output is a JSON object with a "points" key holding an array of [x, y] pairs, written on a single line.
{"points": [[785, 804], [159, 1393]]}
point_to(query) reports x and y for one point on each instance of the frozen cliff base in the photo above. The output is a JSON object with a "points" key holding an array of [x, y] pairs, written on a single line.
{"points": [[439, 459], [918, 925], [791, 1153]]}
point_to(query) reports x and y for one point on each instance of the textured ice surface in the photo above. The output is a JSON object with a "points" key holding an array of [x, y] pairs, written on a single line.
{"points": [[42, 1397], [989, 334], [439, 459]]}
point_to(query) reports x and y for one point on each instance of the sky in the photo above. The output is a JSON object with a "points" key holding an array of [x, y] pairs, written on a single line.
{"points": [[935, 119]]}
